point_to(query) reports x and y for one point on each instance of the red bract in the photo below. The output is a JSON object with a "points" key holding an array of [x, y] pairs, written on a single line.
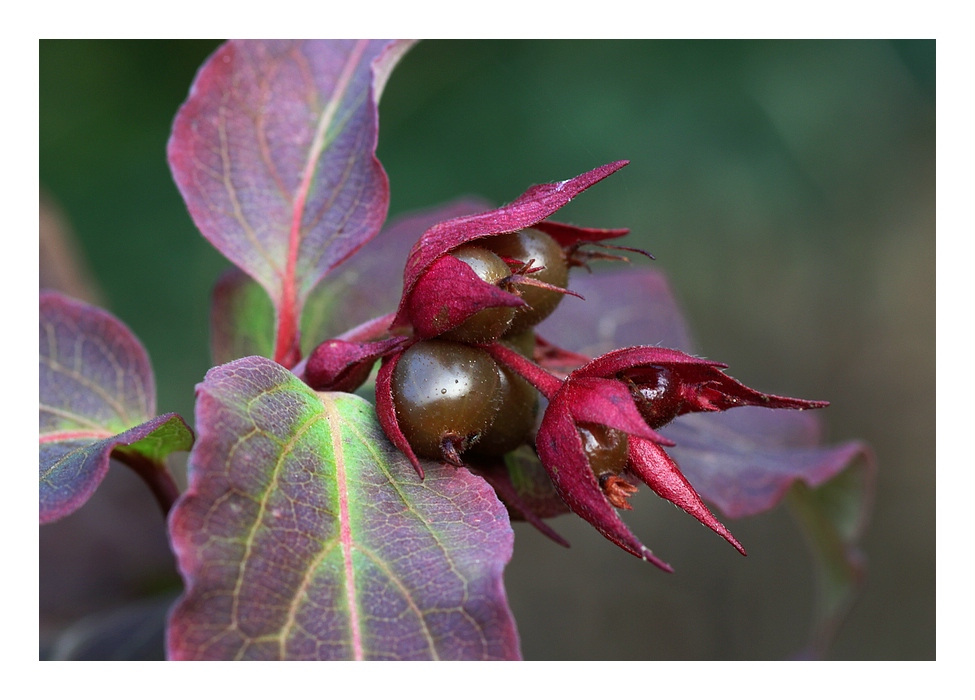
{"points": [[436, 298], [340, 365], [632, 390]]}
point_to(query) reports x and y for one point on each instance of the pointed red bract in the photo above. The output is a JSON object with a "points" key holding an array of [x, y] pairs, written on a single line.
{"points": [[681, 383], [657, 470], [607, 402], [561, 451], [567, 235], [386, 410], [635, 390], [340, 365], [448, 294], [536, 204]]}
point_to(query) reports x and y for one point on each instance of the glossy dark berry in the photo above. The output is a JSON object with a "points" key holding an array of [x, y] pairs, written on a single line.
{"points": [[488, 324], [516, 417], [657, 396], [446, 396], [529, 244], [515, 422], [606, 448]]}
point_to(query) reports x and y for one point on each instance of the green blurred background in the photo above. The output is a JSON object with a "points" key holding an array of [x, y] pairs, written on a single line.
{"points": [[786, 188]]}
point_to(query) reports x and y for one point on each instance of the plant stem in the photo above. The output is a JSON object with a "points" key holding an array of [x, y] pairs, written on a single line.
{"points": [[373, 329], [154, 474]]}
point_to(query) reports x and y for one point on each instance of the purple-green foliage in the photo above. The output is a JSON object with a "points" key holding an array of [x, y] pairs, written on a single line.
{"points": [[97, 400], [274, 152], [304, 533]]}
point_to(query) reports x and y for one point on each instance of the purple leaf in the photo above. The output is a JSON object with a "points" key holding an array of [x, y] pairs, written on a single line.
{"points": [[305, 535], [274, 154], [744, 461], [621, 307], [73, 464], [97, 400], [365, 286]]}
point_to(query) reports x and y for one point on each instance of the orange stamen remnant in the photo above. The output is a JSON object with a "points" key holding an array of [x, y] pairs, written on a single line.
{"points": [[617, 490]]}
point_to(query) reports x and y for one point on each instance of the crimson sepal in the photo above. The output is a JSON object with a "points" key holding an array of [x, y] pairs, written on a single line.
{"points": [[340, 365], [449, 293], [656, 469], [609, 391], [607, 402], [536, 204], [560, 448], [686, 384], [567, 235], [556, 359], [386, 410]]}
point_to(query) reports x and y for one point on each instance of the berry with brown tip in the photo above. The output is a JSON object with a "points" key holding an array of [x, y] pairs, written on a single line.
{"points": [[446, 396]]}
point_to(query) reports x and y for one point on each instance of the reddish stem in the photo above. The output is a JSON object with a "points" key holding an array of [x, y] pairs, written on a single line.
{"points": [[154, 474], [539, 378], [286, 345], [373, 329]]}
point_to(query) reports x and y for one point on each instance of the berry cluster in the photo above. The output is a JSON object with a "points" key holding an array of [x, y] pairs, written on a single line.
{"points": [[462, 369], [450, 396]]}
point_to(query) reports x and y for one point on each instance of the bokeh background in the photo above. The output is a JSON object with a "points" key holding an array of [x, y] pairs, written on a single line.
{"points": [[787, 189]]}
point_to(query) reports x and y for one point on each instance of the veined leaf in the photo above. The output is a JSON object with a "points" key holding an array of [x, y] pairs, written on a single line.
{"points": [[365, 286], [274, 154], [620, 307], [304, 534], [97, 400]]}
